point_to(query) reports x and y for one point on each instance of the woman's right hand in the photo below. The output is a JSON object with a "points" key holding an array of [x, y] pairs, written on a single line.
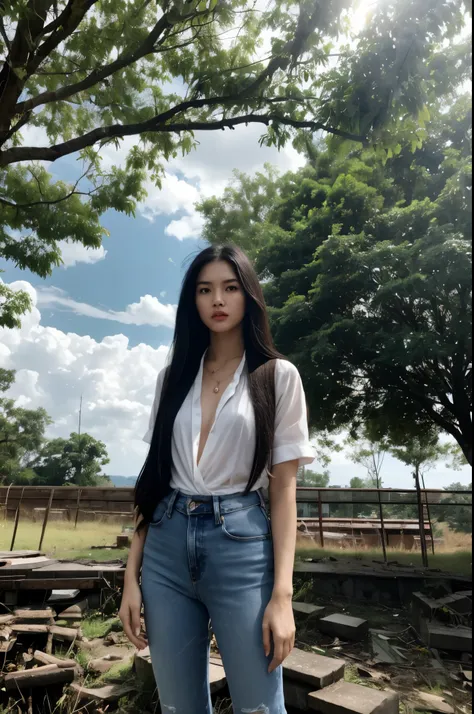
{"points": [[130, 614]]}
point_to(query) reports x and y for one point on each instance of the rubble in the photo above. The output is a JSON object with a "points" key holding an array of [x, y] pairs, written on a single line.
{"points": [[347, 698], [344, 626]]}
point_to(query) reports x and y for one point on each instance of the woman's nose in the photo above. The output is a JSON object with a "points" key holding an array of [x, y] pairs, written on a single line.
{"points": [[218, 299]]}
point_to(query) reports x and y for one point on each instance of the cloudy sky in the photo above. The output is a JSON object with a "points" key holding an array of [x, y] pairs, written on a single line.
{"points": [[102, 323]]}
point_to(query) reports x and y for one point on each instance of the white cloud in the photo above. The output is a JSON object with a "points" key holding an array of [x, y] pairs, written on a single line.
{"points": [[149, 311], [74, 253], [204, 172], [117, 383]]}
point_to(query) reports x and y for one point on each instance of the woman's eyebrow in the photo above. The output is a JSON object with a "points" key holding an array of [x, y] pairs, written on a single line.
{"points": [[209, 282]]}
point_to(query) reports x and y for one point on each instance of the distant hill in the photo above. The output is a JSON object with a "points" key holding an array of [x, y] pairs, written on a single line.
{"points": [[122, 481]]}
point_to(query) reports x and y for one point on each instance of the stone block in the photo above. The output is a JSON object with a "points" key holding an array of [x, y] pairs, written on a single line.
{"points": [[344, 627], [307, 610], [347, 698], [296, 694], [441, 637], [459, 602], [313, 669], [144, 672]]}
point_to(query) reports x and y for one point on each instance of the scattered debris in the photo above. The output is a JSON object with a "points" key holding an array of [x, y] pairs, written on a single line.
{"points": [[430, 703]]}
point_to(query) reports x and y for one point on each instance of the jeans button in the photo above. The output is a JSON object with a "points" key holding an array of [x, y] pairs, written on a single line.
{"points": [[192, 506]]}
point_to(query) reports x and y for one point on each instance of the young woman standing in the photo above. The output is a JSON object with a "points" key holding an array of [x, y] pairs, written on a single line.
{"points": [[229, 420]]}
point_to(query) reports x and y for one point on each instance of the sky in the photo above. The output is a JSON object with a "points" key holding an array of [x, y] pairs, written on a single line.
{"points": [[102, 323]]}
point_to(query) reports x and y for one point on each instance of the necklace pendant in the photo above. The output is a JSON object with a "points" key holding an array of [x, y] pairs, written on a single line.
{"points": [[216, 390]]}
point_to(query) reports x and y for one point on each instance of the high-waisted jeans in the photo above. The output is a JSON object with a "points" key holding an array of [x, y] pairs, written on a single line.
{"points": [[210, 558]]}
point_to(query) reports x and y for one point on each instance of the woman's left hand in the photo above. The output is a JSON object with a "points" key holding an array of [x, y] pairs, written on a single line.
{"points": [[279, 623]]}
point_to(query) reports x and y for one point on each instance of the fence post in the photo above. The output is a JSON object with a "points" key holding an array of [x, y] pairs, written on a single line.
{"points": [[46, 518], [421, 519], [17, 519], [382, 523], [321, 529], [79, 494]]}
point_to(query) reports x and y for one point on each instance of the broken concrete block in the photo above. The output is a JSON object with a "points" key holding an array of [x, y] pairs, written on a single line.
{"points": [[296, 694], [459, 602], [305, 608], [346, 698], [74, 612], [103, 664], [441, 637], [313, 669], [110, 693], [429, 703], [344, 627], [144, 670]]}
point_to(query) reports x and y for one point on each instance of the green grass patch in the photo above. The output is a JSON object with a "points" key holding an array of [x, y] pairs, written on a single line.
{"points": [[95, 627], [458, 562]]}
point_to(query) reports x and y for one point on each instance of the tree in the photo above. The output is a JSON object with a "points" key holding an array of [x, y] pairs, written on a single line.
{"points": [[314, 479], [21, 433], [75, 461], [459, 518], [367, 268], [89, 73]]}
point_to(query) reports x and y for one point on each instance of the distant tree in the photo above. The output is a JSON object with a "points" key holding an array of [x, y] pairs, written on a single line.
{"points": [[459, 518], [314, 479], [75, 461], [21, 433]]}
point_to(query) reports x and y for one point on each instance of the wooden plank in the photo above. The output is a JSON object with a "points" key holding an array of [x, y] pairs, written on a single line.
{"points": [[8, 554], [42, 658], [7, 646], [38, 677], [58, 584], [25, 616]]}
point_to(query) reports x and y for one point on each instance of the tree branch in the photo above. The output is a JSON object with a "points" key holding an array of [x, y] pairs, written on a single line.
{"points": [[158, 124], [147, 47]]}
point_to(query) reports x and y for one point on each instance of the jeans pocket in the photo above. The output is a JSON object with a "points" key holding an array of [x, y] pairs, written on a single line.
{"points": [[159, 513], [247, 524]]}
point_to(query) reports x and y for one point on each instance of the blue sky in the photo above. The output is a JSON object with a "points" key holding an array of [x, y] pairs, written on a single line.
{"points": [[102, 323]]}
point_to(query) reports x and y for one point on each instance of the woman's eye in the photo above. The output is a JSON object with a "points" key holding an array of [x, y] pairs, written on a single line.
{"points": [[232, 288]]}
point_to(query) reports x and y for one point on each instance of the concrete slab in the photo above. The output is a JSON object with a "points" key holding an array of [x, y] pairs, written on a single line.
{"points": [[347, 698], [344, 627], [313, 669], [459, 602], [305, 608], [442, 637]]}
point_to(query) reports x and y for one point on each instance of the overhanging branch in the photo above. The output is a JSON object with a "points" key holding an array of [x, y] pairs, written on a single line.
{"points": [[157, 125]]}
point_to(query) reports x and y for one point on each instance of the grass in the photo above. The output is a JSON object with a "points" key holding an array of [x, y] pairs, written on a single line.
{"points": [[95, 627], [63, 541], [454, 556]]}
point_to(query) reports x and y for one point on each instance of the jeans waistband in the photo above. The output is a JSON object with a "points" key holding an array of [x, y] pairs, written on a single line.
{"points": [[216, 505]]}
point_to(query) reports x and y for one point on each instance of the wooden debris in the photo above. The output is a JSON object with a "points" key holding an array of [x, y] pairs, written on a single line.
{"points": [[6, 619], [44, 659], [38, 677], [25, 616], [7, 646], [74, 612]]}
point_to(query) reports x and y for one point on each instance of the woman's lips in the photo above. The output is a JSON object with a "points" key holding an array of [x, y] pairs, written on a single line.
{"points": [[219, 317]]}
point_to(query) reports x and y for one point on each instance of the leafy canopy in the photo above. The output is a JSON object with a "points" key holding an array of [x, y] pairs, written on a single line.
{"points": [[85, 74]]}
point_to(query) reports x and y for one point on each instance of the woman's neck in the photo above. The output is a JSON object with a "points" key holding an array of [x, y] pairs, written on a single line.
{"points": [[225, 346]]}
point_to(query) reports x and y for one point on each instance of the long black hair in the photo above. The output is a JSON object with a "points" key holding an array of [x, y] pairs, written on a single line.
{"points": [[191, 339]]}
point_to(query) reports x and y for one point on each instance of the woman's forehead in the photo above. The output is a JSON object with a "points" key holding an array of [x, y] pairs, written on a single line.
{"points": [[217, 272]]}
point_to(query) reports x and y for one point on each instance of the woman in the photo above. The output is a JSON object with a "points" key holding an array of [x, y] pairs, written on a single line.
{"points": [[228, 409]]}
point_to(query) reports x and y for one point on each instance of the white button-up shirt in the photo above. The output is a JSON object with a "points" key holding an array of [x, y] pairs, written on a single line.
{"points": [[227, 459]]}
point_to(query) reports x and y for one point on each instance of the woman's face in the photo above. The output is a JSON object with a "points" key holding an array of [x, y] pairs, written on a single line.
{"points": [[220, 299]]}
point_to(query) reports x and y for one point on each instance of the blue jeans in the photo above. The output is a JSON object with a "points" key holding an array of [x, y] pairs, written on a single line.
{"points": [[210, 558]]}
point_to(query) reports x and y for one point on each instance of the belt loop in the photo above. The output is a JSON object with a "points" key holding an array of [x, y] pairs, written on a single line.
{"points": [[217, 509], [173, 498]]}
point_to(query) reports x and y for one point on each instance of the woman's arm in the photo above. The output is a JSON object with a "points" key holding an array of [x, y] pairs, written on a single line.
{"points": [[279, 619], [130, 610]]}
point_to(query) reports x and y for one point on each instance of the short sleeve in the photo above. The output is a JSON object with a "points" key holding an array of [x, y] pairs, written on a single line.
{"points": [[156, 404], [291, 439]]}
